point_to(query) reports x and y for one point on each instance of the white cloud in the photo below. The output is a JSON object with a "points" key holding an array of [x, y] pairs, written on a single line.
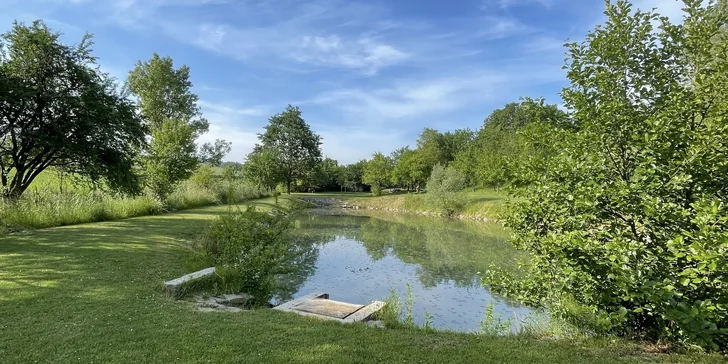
{"points": [[505, 4], [363, 54], [669, 8], [238, 125]]}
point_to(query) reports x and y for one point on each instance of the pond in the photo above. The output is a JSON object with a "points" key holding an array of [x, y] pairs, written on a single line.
{"points": [[359, 257]]}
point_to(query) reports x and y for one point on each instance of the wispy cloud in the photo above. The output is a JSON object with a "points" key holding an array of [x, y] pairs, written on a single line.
{"points": [[239, 125], [504, 4]]}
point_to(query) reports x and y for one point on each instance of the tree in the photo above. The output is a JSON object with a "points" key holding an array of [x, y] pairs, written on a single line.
{"points": [[296, 148], [171, 156], [351, 175], [164, 93], [262, 167], [630, 219], [170, 109], [213, 153], [57, 109], [412, 169], [500, 149], [377, 173], [327, 174], [431, 146]]}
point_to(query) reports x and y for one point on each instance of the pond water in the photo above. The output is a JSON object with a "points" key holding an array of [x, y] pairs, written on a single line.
{"points": [[360, 257]]}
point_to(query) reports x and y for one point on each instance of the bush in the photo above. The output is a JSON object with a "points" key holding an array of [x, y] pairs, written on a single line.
{"points": [[251, 249], [630, 219], [443, 190]]}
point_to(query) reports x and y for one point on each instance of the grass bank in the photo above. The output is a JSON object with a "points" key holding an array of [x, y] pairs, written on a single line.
{"points": [[481, 205], [58, 202], [92, 293]]}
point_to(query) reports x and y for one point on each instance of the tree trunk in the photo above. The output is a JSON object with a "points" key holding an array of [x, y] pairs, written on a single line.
{"points": [[288, 187]]}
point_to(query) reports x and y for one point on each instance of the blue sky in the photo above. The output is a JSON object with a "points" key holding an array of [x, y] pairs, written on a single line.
{"points": [[368, 75]]}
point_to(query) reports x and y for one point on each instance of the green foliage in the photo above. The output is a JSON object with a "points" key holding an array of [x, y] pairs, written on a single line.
{"points": [[629, 220], [231, 172], [250, 249], [169, 107], [351, 176], [164, 93], [377, 173], [409, 304], [412, 169], [393, 317], [58, 109], [204, 176], [171, 156], [443, 190], [212, 153], [288, 147], [502, 147], [493, 324], [262, 167]]}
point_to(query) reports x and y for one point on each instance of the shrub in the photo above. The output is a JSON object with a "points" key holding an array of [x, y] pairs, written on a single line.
{"points": [[443, 190], [251, 249], [630, 219], [204, 176]]}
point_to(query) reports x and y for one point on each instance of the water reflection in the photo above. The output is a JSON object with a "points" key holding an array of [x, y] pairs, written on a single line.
{"points": [[359, 257]]}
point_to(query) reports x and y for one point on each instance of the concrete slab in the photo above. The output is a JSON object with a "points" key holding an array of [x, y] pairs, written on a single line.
{"points": [[328, 308], [319, 305], [177, 282]]}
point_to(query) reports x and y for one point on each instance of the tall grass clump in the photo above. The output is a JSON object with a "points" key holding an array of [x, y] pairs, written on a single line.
{"points": [[189, 195], [46, 208]]}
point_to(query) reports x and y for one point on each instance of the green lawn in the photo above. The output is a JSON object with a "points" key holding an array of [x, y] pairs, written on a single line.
{"points": [[92, 293]]}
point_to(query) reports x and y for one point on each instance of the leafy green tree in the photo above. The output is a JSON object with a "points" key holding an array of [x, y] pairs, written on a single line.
{"points": [[454, 143], [171, 157], [169, 107], [297, 149], [377, 173], [58, 110], [262, 167], [213, 153], [629, 220], [352, 175], [431, 146], [412, 169], [495, 157], [164, 93], [327, 174]]}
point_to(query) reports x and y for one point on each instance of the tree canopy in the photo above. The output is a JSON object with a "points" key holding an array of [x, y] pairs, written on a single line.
{"points": [[295, 149], [169, 107], [58, 109]]}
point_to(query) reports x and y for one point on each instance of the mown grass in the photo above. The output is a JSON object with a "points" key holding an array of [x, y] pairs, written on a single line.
{"points": [[92, 293], [480, 204]]}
